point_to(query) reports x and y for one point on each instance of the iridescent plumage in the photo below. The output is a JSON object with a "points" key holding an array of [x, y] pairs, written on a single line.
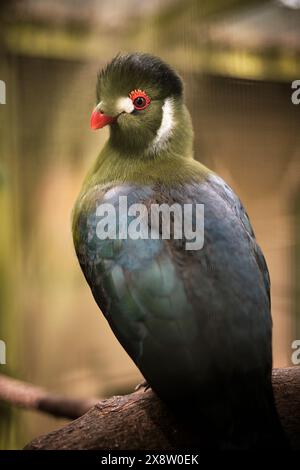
{"points": [[196, 323]]}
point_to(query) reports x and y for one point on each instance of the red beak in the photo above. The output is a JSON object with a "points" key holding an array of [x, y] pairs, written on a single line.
{"points": [[99, 120]]}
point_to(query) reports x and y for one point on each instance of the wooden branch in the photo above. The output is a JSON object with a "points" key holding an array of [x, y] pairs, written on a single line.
{"points": [[28, 396], [141, 421]]}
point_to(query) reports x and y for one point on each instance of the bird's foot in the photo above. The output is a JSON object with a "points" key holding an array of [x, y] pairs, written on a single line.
{"points": [[143, 385]]}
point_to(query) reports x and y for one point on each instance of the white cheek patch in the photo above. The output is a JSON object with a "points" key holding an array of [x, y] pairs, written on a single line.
{"points": [[125, 104], [167, 125]]}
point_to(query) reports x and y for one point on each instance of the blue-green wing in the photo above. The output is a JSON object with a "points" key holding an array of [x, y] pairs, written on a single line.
{"points": [[184, 317]]}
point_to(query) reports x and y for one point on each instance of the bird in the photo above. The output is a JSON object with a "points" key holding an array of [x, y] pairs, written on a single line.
{"points": [[196, 322]]}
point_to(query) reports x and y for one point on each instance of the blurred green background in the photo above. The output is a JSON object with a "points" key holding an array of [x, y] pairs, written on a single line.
{"points": [[238, 59]]}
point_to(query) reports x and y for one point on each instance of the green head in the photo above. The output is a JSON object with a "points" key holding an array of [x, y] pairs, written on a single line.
{"points": [[141, 99]]}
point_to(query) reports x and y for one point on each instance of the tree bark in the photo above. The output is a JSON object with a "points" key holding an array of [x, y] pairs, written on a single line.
{"points": [[140, 421]]}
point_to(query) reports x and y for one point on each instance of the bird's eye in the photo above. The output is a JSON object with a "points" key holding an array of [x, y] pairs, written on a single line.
{"points": [[139, 102], [140, 99]]}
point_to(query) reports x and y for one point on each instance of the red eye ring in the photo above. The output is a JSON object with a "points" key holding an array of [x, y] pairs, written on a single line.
{"points": [[140, 99]]}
